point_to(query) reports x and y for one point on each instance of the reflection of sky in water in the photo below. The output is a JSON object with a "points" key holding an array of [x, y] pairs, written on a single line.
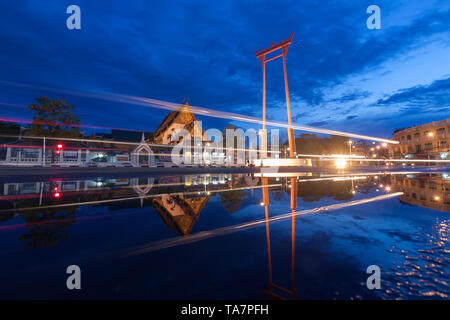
{"points": [[332, 248]]}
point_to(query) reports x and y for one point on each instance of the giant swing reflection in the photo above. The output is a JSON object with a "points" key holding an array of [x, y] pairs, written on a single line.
{"points": [[272, 288]]}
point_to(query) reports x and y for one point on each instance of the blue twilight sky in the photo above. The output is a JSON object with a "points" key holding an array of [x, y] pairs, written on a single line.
{"points": [[341, 74]]}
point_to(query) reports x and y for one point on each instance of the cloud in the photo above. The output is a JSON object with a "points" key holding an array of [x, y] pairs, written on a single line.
{"points": [[351, 117], [204, 50], [318, 123], [432, 97], [352, 96]]}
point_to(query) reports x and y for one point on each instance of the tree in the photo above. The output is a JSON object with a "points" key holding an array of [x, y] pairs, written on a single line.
{"points": [[54, 118], [232, 200], [308, 143]]}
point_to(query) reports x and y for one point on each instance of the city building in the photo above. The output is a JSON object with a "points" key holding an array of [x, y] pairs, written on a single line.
{"points": [[426, 141]]}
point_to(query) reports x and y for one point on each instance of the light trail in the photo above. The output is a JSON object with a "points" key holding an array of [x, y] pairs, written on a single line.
{"points": [[331, 156], [404, 160], [165, 105], [106, 189], [124, 143], [334, 175], [203, 192], [362, 158], [176, 241], [47, 123]]}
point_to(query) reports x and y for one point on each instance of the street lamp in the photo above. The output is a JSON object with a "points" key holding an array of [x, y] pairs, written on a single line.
{"points": [[350, 152]]}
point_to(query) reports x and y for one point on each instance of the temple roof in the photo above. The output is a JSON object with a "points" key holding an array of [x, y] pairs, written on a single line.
{"points": [[183, 115], [179, 213]]}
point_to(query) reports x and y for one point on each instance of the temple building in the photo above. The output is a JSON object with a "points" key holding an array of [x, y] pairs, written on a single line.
{"points": [[182, 118], [427, 141]]}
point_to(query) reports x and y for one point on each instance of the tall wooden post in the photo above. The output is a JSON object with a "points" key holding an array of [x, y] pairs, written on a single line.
{"points": [[264, 132], [291, 136]]}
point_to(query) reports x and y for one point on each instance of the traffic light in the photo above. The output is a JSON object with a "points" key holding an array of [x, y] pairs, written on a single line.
{"points": [[59, 148], [55, 192]]}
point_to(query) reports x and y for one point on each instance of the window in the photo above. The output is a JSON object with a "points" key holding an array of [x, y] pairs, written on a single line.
{"points": [[441, 131], [417, 135], [428, 146], [408, 137], [418, 148]]}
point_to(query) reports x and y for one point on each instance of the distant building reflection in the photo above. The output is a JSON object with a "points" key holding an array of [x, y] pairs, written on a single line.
{"points": [[424, 190]]}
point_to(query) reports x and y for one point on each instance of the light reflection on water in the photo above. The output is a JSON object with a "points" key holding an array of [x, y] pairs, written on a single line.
{"points": [[397, 221]]}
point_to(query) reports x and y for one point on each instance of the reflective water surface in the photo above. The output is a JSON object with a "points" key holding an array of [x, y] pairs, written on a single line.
{"points": [[223, 236]]}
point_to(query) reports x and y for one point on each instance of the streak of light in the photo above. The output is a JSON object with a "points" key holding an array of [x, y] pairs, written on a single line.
{"points": [[65, 148], [165, 105], [64, 205], [122, 142], [362, 158], [45, 123], [13, 105], [296, 174], [95, 190], [199, 236], [331, 156], [402, 160]]}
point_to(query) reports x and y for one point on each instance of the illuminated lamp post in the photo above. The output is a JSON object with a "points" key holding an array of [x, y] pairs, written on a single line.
{"points": [[350, 152], [261, 55]]}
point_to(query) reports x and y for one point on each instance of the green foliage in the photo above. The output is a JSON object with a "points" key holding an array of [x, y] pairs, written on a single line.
{"points": [[232, 200], [53, 118]]}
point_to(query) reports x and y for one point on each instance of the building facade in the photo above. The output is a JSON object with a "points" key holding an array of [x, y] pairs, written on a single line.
{"points": [[427, 141]]}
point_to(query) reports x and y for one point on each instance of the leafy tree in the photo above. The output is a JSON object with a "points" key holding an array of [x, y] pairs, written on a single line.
{"points": [[47, 228], [232, 200], [54, 117]]}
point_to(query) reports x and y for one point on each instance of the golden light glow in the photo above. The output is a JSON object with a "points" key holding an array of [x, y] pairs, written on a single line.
{"points": [[430, 134], [384, 144], [436, 198], [340, 163], [388, 188]]}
